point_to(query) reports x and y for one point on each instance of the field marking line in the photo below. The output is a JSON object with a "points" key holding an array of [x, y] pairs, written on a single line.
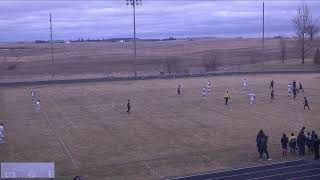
{"points": [[284, 174], [315, 175], [60, 112], [263, 171], [236, 169], [66, 149], [153, 171]]}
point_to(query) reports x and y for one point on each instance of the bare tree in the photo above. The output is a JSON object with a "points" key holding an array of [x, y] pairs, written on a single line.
{"points": [[313, 30], [283, 49], [303, 21], [210, 63]]}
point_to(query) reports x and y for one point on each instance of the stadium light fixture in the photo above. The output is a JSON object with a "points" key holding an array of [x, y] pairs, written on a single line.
{"points": [[134, 3]]}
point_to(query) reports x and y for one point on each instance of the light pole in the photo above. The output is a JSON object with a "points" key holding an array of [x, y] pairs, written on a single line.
{"points": [[52, 68], [134, 3], [262, 35]]}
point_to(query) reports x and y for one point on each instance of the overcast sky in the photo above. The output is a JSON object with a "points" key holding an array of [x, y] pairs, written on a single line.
{"points": [[29, 20]]}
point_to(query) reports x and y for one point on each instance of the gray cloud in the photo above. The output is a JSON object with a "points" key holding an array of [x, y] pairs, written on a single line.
{"points": [[28, 20]]}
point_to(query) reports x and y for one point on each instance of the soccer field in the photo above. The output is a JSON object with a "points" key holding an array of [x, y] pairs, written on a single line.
{"points": [[85, 130]]}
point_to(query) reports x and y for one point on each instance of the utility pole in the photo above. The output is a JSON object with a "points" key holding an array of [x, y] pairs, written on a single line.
{"points": [[52, 66], [262, 35], [134, 3]]}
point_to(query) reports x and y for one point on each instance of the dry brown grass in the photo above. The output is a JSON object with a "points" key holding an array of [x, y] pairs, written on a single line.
{"points": [[173, 135], [33, 60]]}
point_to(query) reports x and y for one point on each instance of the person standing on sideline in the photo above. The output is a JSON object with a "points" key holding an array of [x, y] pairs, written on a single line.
{"points": [[1, 133], [38, 106], [179, 89], [300, 87], [272, 95], [262, 143], [271, 84], [313, 134], [309, 143], [316, 147], [293, 144], [128, 106], [301, 141], [306, 104], [284, 142], [259, 136], [227, 96]]}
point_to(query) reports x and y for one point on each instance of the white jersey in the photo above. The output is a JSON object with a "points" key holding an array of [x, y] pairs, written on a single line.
{"points": [[245, 83], [204, 91], [208, 86], [289, 88], [33, 93], [252, 96], [1, 134]]}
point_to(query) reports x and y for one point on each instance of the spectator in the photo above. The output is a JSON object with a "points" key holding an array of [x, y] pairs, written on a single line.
{"points": [[301, 142], [309, 143], [262, 143], [313, 134], [316, 147], [293, 143], [284, 142]]}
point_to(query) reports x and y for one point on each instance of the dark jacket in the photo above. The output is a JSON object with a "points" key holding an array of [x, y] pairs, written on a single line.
{"points": [[301, 139], [316, 144], [284, 142], [260, 134], [263, 143]]}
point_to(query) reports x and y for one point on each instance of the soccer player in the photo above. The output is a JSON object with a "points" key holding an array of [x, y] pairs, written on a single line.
{"points": [[38, 106], [272, 94], [294, 84], [1, 133], [306, 104], [245, 83], [179, 89], [128, 106], [227, 96], [294, 93], [33, 93], [252, 97], [208, 87], [204, 91], [289, 89], [300, 87], [271, 84]]}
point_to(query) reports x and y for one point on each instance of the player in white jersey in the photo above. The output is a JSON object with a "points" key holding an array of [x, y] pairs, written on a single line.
{"points": [[1, 133], [204, 91], [289, 89], [245, 83], [252, 97], [38, 106], [33, 93], [208, 87]]}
